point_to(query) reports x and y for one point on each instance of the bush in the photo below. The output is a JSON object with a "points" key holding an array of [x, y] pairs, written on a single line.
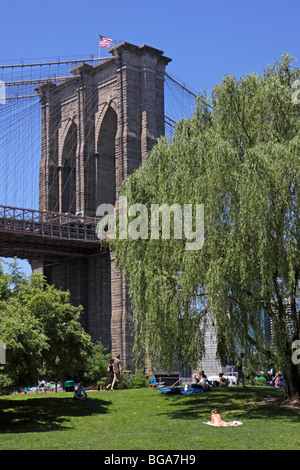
{"points": [[96, 365], [137, 380], [6, 384]]}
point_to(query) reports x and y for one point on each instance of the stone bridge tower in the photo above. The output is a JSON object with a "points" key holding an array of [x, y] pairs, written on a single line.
{"points": [[97, 128]]}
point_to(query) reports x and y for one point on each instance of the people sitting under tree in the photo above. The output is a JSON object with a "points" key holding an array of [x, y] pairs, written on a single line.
{"points": [[79, 392], [223, 380]]}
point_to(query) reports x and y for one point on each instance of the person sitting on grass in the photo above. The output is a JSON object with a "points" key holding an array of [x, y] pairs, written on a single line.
{"points": [[79, 392], [223, 381]]}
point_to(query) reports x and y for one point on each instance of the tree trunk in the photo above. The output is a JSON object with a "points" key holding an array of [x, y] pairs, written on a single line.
{"points": [[292, 384]]}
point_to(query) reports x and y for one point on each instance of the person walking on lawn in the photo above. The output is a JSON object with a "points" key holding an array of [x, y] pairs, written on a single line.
{"points": [[117, 372]]}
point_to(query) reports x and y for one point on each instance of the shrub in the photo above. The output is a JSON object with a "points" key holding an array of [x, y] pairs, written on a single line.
{"points": [[137, 380]]}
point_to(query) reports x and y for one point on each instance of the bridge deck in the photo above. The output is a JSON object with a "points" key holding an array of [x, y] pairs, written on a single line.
{"points": [[31, 234]]}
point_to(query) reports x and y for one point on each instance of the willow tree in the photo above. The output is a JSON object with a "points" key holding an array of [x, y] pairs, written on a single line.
{"points": [[239, 156]]}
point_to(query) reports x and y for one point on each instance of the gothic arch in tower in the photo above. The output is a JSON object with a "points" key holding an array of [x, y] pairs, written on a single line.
{"points": [[105, 165], [68, 171]]}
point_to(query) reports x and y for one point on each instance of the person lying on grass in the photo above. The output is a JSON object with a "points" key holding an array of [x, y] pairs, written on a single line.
{"points": [[216, 419]]}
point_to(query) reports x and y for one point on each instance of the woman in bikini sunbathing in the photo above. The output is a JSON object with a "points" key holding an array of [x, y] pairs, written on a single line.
{"points": [[216, 419]]}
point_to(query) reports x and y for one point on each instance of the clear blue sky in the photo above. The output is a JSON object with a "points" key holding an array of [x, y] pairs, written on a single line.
{"points": [[206, 40]]}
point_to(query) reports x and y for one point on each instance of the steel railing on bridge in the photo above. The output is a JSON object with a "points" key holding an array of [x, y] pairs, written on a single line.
{"points": [[48, 224]]}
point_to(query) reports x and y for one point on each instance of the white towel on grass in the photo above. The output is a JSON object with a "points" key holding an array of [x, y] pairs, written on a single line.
{"points": [[234, 423]]}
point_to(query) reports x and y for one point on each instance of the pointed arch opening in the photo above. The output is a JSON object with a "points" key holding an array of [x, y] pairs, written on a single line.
{"points": [[105, 160], [68, 171]]}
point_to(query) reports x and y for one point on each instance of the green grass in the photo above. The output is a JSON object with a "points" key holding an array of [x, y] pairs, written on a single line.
{"points": [[144, 419]]}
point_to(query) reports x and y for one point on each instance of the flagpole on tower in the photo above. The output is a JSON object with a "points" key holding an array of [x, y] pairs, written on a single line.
{"points": [[104, 42]]}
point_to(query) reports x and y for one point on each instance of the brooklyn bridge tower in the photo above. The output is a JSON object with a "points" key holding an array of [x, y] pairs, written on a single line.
{"points": [[97, 128]]}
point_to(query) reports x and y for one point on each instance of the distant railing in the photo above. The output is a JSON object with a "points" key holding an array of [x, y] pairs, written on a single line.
{"points": [[48, 224]]}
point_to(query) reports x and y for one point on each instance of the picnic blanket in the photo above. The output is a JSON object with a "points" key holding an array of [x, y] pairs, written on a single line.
{"points": [[234, 423], [176, 390]]}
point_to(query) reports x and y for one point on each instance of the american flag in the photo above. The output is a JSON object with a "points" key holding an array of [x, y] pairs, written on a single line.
{"points": [[104, 42]]}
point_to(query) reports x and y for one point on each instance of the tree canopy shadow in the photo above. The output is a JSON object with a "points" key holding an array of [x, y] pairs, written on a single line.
{"points": [[233, 404], [43, 413]]}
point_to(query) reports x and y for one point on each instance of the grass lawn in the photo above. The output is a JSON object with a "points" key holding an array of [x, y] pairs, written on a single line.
{"points": [[144, 419]]}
